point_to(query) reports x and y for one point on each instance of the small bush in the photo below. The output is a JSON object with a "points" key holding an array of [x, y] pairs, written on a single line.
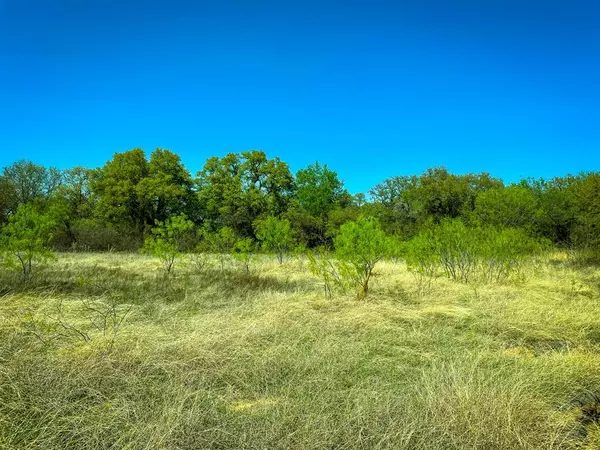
{"points": [[275, 235], [243, 252], [421, 258], [220, 243], [26, 239], [504, 252], [166, 240], [361, 244]]}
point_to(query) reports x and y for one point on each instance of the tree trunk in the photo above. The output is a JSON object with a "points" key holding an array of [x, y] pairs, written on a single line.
{"points": [[364, 287]]}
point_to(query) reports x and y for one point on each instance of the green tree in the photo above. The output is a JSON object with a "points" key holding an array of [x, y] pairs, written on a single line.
{"points": [[275, 235], [132, 190], [237, 189], [70, 204], [339, 216], [513, 206], [319, 189], [166, 240], [393, 191], [26, 239], [405, 203], [308, 229], [440, 194], [168, 187], [76, 190], [362, 244], [359, 199], [8, 199], [116, 187], [393, 203], [268, 182], [31, 181], [556, 215], [586, 199]]}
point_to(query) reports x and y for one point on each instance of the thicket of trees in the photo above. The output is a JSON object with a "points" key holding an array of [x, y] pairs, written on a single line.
{"points": [[249, 200]]}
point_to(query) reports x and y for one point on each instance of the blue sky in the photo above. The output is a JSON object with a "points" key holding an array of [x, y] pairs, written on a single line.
{"points": [[371, 88]]}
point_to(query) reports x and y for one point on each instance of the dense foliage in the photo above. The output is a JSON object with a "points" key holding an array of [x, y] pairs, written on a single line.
{"points": [[464, 253], [249, 196], [361, 244], [26, 239]]}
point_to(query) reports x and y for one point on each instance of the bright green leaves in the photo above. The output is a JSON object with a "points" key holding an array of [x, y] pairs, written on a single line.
{"points": [[318, 189], [513, 206], [361, 244], [275, 235], [26, 239], [237, 189], [167, 239]]}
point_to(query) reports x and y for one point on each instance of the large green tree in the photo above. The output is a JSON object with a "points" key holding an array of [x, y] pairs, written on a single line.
{"points": [[319, 192], [556, 216], [31, 181], [132, 190], [168, 188], [405, 203], [76, 190], [116, 188], [319, 189], [237, 189], [441, 194], [393, 202]]}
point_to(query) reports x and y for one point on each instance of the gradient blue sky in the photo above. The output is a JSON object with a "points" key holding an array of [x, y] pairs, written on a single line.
{"points": [[371, 88]]}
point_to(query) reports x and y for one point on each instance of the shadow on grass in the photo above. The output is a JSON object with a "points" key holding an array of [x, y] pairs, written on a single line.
{"points": [[578, 259], [138, 287]]}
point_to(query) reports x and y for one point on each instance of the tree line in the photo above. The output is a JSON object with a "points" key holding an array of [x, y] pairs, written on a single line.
{"points": [[117, 205]]}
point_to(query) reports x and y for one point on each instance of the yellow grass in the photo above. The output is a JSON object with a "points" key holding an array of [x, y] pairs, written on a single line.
{"points": [[266, 360]]}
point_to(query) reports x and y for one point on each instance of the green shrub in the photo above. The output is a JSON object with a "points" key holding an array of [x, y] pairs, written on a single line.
{"points": [[243, 251], [462, 252], [26, 239], [166, 240], [503, 252], [220, 243], [457, 247], [275, 235], [421, 258], [361, 244]]}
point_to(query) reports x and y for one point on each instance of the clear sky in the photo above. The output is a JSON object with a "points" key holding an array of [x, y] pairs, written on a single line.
{"points": [[371, 88]]}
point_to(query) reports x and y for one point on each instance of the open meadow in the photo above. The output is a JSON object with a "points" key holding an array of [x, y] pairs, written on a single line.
{"points": [[104, 351], [296, 225]]}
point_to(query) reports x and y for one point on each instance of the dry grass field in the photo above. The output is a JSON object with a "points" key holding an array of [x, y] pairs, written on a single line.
{"points": [[101, 351]]}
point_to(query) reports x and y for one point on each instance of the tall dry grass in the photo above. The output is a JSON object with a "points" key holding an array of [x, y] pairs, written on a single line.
{"points": [[227, 359]]}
